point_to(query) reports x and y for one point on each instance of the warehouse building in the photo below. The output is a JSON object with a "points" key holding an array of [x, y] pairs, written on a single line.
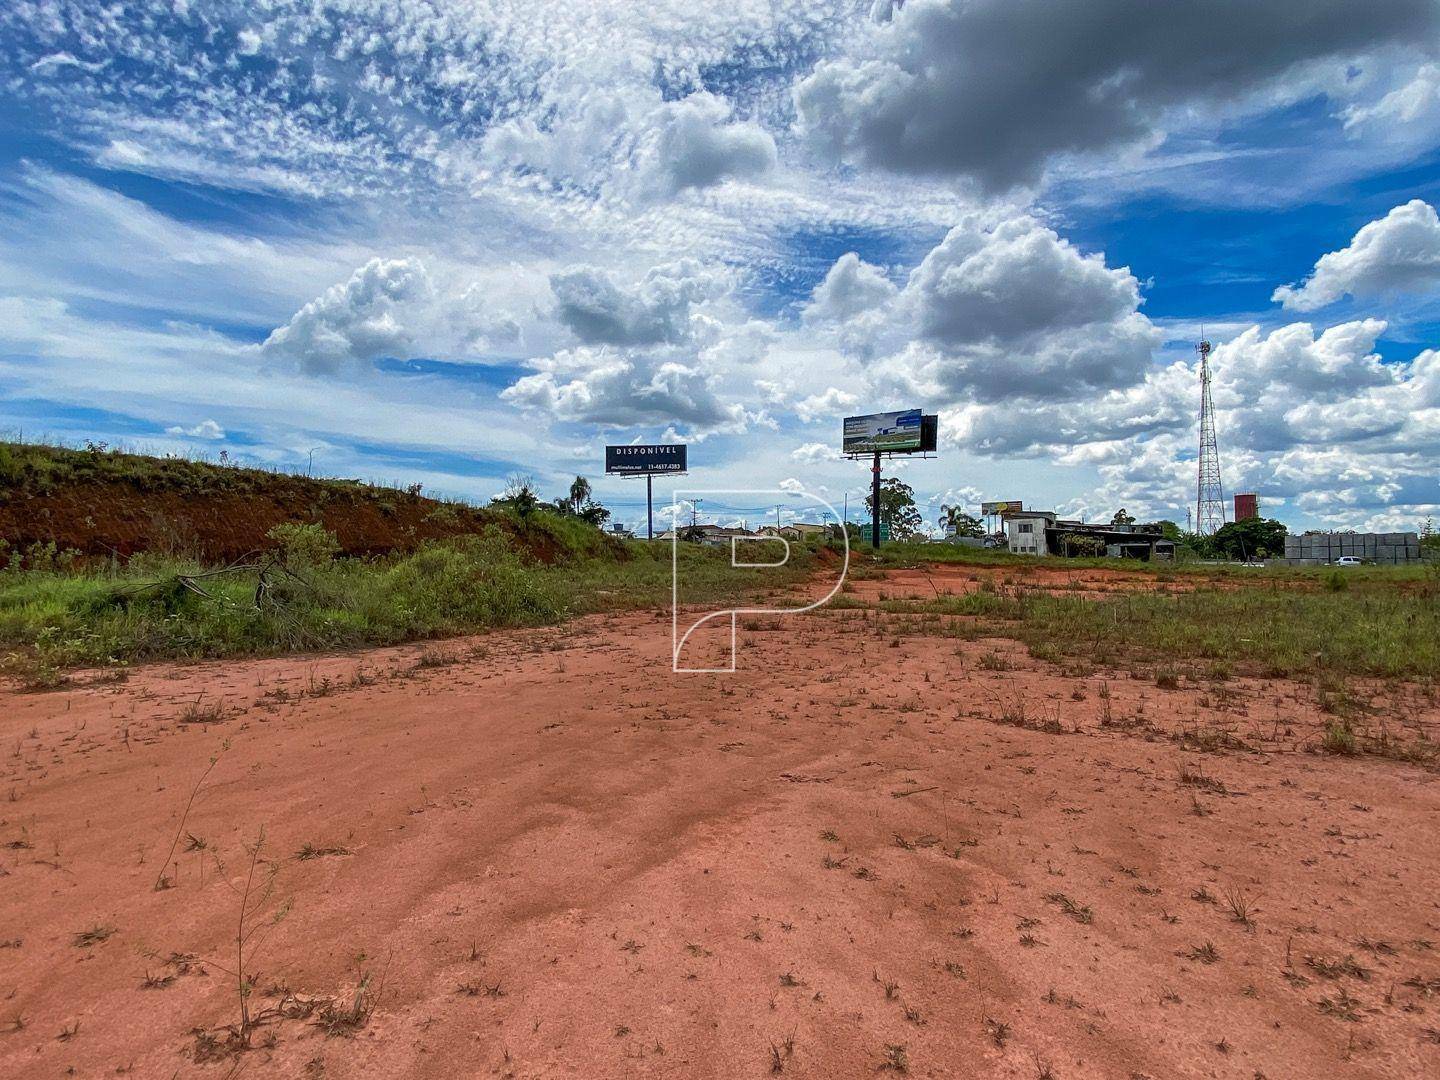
{"points": [[1040, 532], [1329, 547]]}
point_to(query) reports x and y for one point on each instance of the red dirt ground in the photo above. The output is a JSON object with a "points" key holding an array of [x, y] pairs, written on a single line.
{"points": [[953, 579], [567, 861]]}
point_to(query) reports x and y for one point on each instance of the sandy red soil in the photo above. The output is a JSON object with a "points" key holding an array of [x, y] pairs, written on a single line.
{"points": [[567, 861], [957, 579]]}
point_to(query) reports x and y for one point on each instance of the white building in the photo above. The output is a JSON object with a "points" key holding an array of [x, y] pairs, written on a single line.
{"points": [[1025, 531]]}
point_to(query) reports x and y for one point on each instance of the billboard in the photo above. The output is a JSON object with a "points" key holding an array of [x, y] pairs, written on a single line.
{"points": [[997, 509], [888, 432], [639, 460], [929, 433]]}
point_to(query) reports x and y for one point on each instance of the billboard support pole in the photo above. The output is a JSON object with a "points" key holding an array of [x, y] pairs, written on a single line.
{"points": [[640, 459], [908, 432], [875, 503]]}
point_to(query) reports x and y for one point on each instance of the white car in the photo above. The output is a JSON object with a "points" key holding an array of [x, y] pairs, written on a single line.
{"points": [[1349, 560]]}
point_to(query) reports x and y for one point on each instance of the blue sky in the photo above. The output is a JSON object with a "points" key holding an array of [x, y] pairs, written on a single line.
{"points": [[449, 242]]}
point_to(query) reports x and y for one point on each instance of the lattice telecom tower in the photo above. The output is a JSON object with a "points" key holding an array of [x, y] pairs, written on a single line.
{"points": [[1209, 498]]}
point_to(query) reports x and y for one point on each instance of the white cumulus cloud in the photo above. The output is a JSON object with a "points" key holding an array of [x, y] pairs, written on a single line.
{"points": [[355, 320], [815, 453], [623, 139], [392, 308], [619, 388], [832, 402], [206, 429], [1009, 308], [1398, 253], [851, 287], [657, 309], [696, 143]]}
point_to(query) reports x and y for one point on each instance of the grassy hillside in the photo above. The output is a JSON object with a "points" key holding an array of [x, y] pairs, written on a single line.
{"points": [[101, 502]]}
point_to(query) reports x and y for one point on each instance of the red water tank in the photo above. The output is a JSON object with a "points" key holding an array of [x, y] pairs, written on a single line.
{"points": [[1246, 507]]}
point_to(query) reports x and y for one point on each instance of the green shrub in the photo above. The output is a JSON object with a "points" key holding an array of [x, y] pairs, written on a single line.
{"points": [[302, 545], [471, 581]]}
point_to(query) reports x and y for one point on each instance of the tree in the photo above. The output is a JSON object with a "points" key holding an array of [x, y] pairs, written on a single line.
{"points": [[1254, 538], [897, 508], [1429, 538], [1122, 518], [595, 514], [579, 494], [1186, 543], [577, 502], [956, 519], [519, 495]]}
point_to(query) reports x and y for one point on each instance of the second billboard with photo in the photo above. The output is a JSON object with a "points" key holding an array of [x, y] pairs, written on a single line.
{"points": [[882, 432]]}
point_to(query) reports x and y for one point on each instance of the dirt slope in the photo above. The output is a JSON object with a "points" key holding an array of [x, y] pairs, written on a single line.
{"points": [[105, 502], [568, 862]]}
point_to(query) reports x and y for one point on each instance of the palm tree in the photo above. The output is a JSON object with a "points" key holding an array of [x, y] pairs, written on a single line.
{"points": [[579, 493], [955, 517]]}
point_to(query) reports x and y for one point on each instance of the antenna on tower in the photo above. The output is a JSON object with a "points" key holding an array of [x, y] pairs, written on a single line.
{"points": [[1209, 496]]}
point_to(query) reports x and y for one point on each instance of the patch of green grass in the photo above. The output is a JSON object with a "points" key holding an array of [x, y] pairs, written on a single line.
{"points": [[147, 610], [1357, 578], [169, 608], [1379, 630]]}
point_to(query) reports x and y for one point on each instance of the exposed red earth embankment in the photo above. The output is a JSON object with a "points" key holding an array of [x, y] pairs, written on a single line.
{"points": [[107, 503]]}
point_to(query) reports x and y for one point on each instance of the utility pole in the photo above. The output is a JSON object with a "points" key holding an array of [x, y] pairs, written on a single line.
{"points": [[875, 499], [695, 512]]}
